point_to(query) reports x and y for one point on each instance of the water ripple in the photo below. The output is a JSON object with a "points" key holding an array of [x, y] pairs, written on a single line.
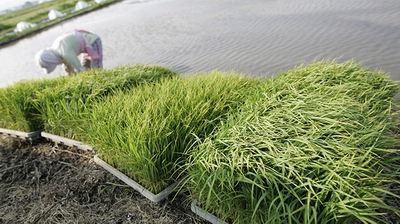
{"points": [[253, 37]]}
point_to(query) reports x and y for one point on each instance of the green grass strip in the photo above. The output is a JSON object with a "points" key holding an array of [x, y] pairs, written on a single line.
{"points": [[315, 145], [144, 132], [65, 107], [17, 110]]}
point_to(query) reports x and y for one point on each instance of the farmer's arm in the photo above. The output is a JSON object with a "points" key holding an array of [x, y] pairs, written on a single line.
{"points": [[68, 52], [87, 39]]}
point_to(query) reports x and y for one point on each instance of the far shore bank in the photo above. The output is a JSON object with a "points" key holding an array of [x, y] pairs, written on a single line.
{"points": [[45, 24]]}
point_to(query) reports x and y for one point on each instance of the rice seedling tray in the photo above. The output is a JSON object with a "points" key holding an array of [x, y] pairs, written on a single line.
{"points": [[204, 214], [67, 141], [24, 135], [146, 193]]}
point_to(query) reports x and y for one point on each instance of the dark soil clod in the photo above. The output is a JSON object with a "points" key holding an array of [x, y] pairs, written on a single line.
{"points": [[44, 183]]}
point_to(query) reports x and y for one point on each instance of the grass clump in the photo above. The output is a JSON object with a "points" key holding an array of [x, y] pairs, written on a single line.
{"points": [[144, 132], [66, 7], [314, 145], [65, 107], [5, 26], [56, 105], [17, 110]]}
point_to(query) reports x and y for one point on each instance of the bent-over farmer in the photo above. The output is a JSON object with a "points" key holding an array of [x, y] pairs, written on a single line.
{"points": [[66, 49]]}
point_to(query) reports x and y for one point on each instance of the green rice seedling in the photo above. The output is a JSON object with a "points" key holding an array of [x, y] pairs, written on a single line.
{"points": [[17, 111], [65, 106], [312, 146], [144, 132]]}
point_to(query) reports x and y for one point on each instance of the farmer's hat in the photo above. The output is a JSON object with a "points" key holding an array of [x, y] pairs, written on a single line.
{"points": [[48, 59]]}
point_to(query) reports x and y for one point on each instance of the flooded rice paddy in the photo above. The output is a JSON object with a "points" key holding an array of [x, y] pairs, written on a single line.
{"points": [[255, 37]]}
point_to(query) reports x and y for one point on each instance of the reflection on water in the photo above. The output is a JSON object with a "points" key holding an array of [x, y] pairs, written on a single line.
{"points": [[253, 37]]}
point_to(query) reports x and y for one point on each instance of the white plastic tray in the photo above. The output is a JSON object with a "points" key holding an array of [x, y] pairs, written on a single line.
{"points": [[67, 141], [205, 215], [25, 135], [149, 195]]}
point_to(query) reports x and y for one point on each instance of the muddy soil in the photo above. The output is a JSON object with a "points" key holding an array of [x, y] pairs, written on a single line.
{"points": [[41, 182], [44, 183]]}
